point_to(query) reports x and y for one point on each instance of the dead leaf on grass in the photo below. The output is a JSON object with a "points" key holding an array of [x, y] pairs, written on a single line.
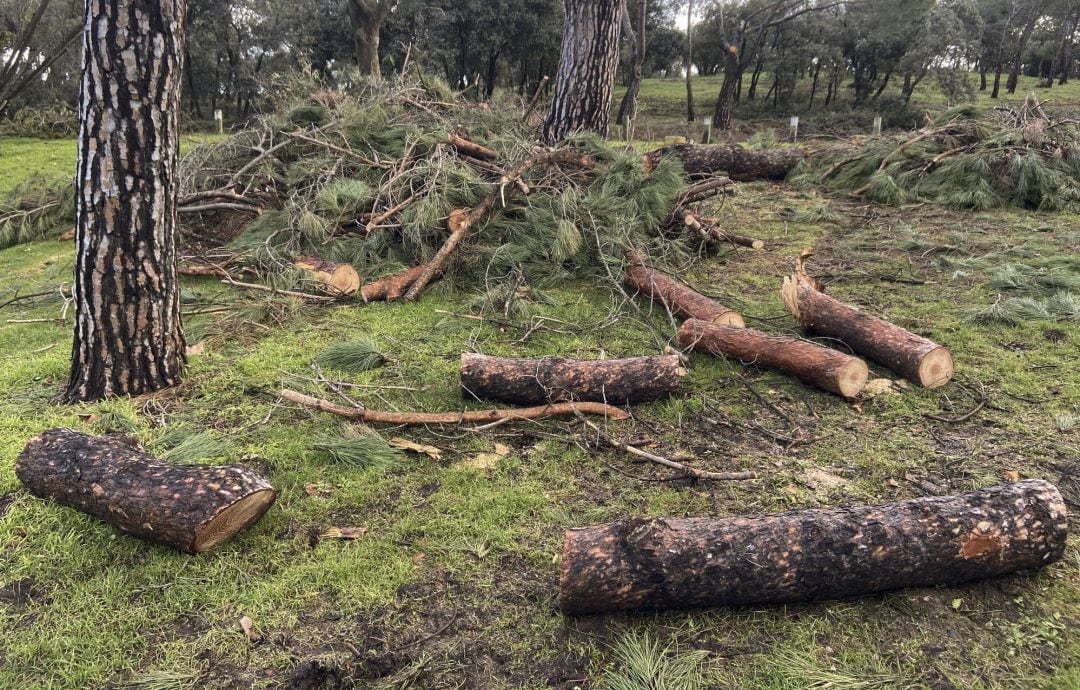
{"points": [[247, 625], [405, 444], [347, 533], [876, 387]]}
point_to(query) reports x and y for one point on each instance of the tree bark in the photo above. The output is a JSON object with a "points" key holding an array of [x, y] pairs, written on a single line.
{"points": [[917, 359], [636, 38], [732, 75], [678, 298], [689, 61], [814, 364], [128, 338], [330, 277], [554, 379], [366, 18], [189, 507], [811, 555], [587, 64], [738, 162]]}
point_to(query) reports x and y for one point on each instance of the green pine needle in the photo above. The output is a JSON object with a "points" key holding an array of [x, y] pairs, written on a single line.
{"points": [[362, 448], [352, 357]]}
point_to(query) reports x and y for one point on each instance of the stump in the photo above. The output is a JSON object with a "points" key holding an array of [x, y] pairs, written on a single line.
{"points": [[554, 379], [330, 277], [678, 298], [914, 357], [189, 507], [817, 365], [809, 555]]}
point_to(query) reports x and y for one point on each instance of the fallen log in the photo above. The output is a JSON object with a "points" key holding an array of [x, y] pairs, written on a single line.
{"points": [[192, 508], [817, 365], [392, 287], [330, 277], [470, 417], [554, 379], [809, 555], [738, 162], [678, 298], [914, 357], [694, 224]]}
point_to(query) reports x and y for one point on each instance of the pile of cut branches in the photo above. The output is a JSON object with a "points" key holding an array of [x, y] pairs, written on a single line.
{"points": [[1007, 156]]}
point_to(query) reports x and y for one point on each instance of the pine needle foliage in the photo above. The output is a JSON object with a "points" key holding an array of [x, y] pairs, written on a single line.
{"points": [[642, 664], [35, 209], [352, 357], [184, 445], [359, 447]]}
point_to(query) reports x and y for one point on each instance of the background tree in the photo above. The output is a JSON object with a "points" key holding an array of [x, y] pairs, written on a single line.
{"points": [[366, 18], [34, 37], [587, 63], [635, 38], [128, 338]]}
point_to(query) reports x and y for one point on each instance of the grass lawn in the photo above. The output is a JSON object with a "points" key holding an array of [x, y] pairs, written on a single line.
{"points": [[453, 585]]}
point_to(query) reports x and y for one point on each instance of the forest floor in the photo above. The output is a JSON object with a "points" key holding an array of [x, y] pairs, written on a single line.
{"points": [[453, 583]]}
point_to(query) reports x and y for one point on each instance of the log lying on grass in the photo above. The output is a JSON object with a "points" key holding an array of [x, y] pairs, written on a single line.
{"points": [[917, 359], [817, 365], [811, 554], [740, 163], [678, 298], [330, 277], [716, 233], [189, 507], [554, 379]]}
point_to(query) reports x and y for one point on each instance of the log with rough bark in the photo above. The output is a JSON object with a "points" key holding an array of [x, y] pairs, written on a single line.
{"points": [[738, 162], [914, 357], [364, 414], [330, 277], [678, 298], [391, 287], [810, 555], [554, 379], [817, 365], [190, 507]]}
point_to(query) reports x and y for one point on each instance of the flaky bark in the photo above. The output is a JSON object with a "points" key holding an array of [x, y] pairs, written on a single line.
{"points": [[554, 379], [819, 366], [738, 162], [128, 338], [809, 555], [189, 507], [587, 63], [917, 359], [678, 298]]}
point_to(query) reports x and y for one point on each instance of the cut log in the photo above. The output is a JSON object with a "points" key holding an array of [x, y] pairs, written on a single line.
{"points": [[554, 379], [189, 507], [392, 287], [914, 357], [809, 555], [678, 298], [330, 277], [471, 148], [817, 365], [740, 163], [694, 224]]}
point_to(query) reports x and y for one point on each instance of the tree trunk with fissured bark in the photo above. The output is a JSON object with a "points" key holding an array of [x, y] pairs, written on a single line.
{"points": [[737, 162], [917, 359], [554, 379], [128, 339], [817, 365], [808, 555], [678, 298], [189, 507]]}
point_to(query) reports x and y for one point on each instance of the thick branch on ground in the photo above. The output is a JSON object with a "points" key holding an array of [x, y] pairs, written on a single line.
{"points": [[739, 163], [678, 298], [554, 379], [820, 366], [469, 417], [392, 287], [471, 148], [917, 359], [711, 233], [807, 555], [330, 277], [189, 507]]}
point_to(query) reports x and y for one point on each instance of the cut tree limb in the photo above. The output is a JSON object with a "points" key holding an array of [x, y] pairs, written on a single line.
{"points": [[189, 507], [469, 417], [914, 357], [678, 298], [691, 221], [471, 148], [808, 555], [817, 365], [330, 277], [738, 162], [554, 379], [392, 287]]}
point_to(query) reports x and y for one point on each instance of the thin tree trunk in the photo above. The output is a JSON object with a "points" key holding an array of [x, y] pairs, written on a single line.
{"points": [[587, 63], [636, 37], [128, 338], [732, 74], [813, 86], [997, 81], [366, 18], [689, 61]]}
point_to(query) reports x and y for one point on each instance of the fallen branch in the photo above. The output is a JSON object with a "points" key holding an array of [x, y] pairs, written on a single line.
{"points": [[469, 417]]}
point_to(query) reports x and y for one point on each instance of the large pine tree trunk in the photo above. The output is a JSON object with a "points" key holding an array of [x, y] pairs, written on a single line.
{"points": [[128, 339], [812, 554], [587, 63]]}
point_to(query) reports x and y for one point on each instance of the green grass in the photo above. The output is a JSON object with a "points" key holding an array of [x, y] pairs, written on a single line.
{"points": [[453, 584]]}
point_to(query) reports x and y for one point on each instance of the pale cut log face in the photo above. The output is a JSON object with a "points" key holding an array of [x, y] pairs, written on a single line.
{"points": [[853, 378], [730, 318], [936, 368], [234, 519]]}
